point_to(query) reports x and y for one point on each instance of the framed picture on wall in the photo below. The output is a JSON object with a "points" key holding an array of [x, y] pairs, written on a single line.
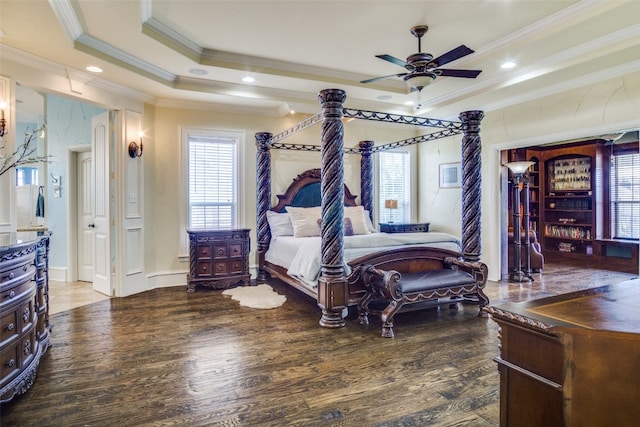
{"points": [[450, 175]]}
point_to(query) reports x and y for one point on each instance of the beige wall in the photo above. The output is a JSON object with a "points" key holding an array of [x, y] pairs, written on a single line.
{"points": [[610, 106], [162, 170]]}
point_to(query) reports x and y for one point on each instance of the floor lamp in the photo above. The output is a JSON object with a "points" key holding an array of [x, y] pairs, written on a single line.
{"points": [[518, 170]]}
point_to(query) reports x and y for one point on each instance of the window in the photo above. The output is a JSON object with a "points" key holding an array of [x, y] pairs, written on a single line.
{"points": [[394, 197], [26, 176], [211, 176], [625, 196]]}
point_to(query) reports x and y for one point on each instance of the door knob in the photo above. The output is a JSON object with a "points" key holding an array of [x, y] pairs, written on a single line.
{"points": [[92, 226]]}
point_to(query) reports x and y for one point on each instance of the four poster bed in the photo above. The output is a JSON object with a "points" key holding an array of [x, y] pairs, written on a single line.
{"points": [[316, 237]]}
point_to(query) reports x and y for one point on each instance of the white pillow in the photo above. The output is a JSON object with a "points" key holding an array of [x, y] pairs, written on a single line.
{"points": [[305, 221], [279, 224], [358, 220], [367, 218]]}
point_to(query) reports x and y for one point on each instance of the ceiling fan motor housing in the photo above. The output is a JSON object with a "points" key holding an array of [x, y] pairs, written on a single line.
{"points": [[418, 60]]}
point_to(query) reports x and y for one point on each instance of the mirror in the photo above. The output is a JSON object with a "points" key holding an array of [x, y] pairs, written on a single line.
{"points": [[30, 180]]}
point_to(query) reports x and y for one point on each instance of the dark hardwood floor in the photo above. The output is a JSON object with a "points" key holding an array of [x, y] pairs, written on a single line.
{"points": [[166, 357]]}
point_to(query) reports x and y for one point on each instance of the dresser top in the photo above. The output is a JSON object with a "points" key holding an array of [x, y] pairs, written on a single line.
{"points": [[610, 308], [9, 240]]}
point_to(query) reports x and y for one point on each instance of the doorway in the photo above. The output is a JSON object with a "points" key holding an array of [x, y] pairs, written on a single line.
{"points": [[84, 209]]}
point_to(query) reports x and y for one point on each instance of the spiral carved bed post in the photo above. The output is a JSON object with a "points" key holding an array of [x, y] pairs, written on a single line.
{"points": [[471, 163], [263, 194], [366, 175], [332, 285]]}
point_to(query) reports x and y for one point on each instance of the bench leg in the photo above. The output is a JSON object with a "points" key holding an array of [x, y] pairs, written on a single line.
{"points": [[387, 318], [483, 301], [363, 308]]}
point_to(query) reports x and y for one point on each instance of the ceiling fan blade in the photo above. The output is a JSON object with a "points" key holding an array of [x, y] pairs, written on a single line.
{"points": [[393, 60], [452, 55], [470, 74], [375, 79]]}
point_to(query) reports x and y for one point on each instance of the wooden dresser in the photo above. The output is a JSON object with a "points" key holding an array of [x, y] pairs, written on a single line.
{"points": [[571, 360], [24, 310], [218, 258]]}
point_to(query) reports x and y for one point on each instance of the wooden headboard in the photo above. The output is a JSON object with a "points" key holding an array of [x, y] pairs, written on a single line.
{"points": [[305, 192]]}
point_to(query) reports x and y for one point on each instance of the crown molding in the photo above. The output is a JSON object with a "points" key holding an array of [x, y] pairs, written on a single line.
{"points": [[50, 67]]}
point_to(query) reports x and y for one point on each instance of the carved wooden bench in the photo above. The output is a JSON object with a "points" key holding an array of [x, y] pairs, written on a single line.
{"points": [[434, 275]]}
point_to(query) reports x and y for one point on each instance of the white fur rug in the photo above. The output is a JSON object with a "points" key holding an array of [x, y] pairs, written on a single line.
{"points": [[261, 296]]}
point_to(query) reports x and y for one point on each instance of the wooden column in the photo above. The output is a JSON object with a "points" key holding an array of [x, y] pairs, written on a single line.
{"points": [[471, 188], [366, 175], [332, 285], [263, 198]]}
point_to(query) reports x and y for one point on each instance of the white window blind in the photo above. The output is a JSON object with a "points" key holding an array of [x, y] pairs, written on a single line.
{"points": [[625, 196], [212, 182], [394, 185]]}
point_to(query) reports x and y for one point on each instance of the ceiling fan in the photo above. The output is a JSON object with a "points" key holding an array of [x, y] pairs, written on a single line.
{"points": [[423, 68]]}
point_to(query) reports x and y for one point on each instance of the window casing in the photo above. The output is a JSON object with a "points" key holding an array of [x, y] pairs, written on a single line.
{"points": [[394, 183], [211, 178], [625, 196]]}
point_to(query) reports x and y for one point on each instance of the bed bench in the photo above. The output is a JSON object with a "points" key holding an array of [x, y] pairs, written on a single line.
{"points": [[446, 276]]}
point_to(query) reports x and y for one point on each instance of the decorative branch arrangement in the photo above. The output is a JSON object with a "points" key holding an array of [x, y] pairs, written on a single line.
{"points": [[24, 153]]}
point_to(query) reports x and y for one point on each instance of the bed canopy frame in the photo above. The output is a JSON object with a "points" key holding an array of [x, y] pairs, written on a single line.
{"points": [[332, 284]]}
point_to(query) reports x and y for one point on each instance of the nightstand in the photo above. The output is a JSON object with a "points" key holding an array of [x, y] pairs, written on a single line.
{"points": [[218, 258], [392, 227]]}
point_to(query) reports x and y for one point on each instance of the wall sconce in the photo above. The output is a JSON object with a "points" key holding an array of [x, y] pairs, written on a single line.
{"points": [[135, 150], [391, 204], [3, 122]]}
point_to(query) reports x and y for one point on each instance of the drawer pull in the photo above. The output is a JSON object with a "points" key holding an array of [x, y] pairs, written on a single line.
{"points": [[27, 348], [26, 315], [221, 268], [221, 251], [10, 327], [11, 294], [11, 363]]}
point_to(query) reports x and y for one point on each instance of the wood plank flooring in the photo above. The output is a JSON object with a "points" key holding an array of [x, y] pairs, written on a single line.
{"points": [[166, 357]]}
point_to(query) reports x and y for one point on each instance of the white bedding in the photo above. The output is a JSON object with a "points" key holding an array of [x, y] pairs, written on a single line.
{"points": [[301, 256]]}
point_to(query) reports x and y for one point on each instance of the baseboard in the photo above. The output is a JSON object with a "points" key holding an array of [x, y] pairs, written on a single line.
{"points": [[58, 274], [167, 279]]}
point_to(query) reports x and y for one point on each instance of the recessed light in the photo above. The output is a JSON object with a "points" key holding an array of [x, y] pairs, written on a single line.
{"points": [[508, 64], [198, 72], [408, 102], [248, 79], [384, 97], [94, 69]]}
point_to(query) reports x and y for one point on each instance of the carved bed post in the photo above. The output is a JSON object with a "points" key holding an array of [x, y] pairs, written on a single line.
{"points": [[366, 175], [471, 147], [263, 195], [332, 285]]}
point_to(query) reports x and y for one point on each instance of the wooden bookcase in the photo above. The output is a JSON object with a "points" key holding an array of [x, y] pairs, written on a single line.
{"points": [[569, 211], [569, 202], [571, 180]]}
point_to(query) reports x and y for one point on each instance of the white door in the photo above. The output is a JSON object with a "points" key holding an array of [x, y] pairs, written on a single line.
{"points": [[101, 208], [84, 192]]}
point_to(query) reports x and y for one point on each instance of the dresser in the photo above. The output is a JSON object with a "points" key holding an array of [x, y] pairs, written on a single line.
{"points": [[24, 310], [571, 360], [392, 227], [218, 258]]}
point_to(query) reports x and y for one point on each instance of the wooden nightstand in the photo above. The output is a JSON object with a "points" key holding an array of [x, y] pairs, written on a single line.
{"points": [[218, 258], [392, 227]]}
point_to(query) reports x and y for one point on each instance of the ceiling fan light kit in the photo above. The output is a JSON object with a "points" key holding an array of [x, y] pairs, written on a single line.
{"points": [[419, 80], [423, 68]]}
